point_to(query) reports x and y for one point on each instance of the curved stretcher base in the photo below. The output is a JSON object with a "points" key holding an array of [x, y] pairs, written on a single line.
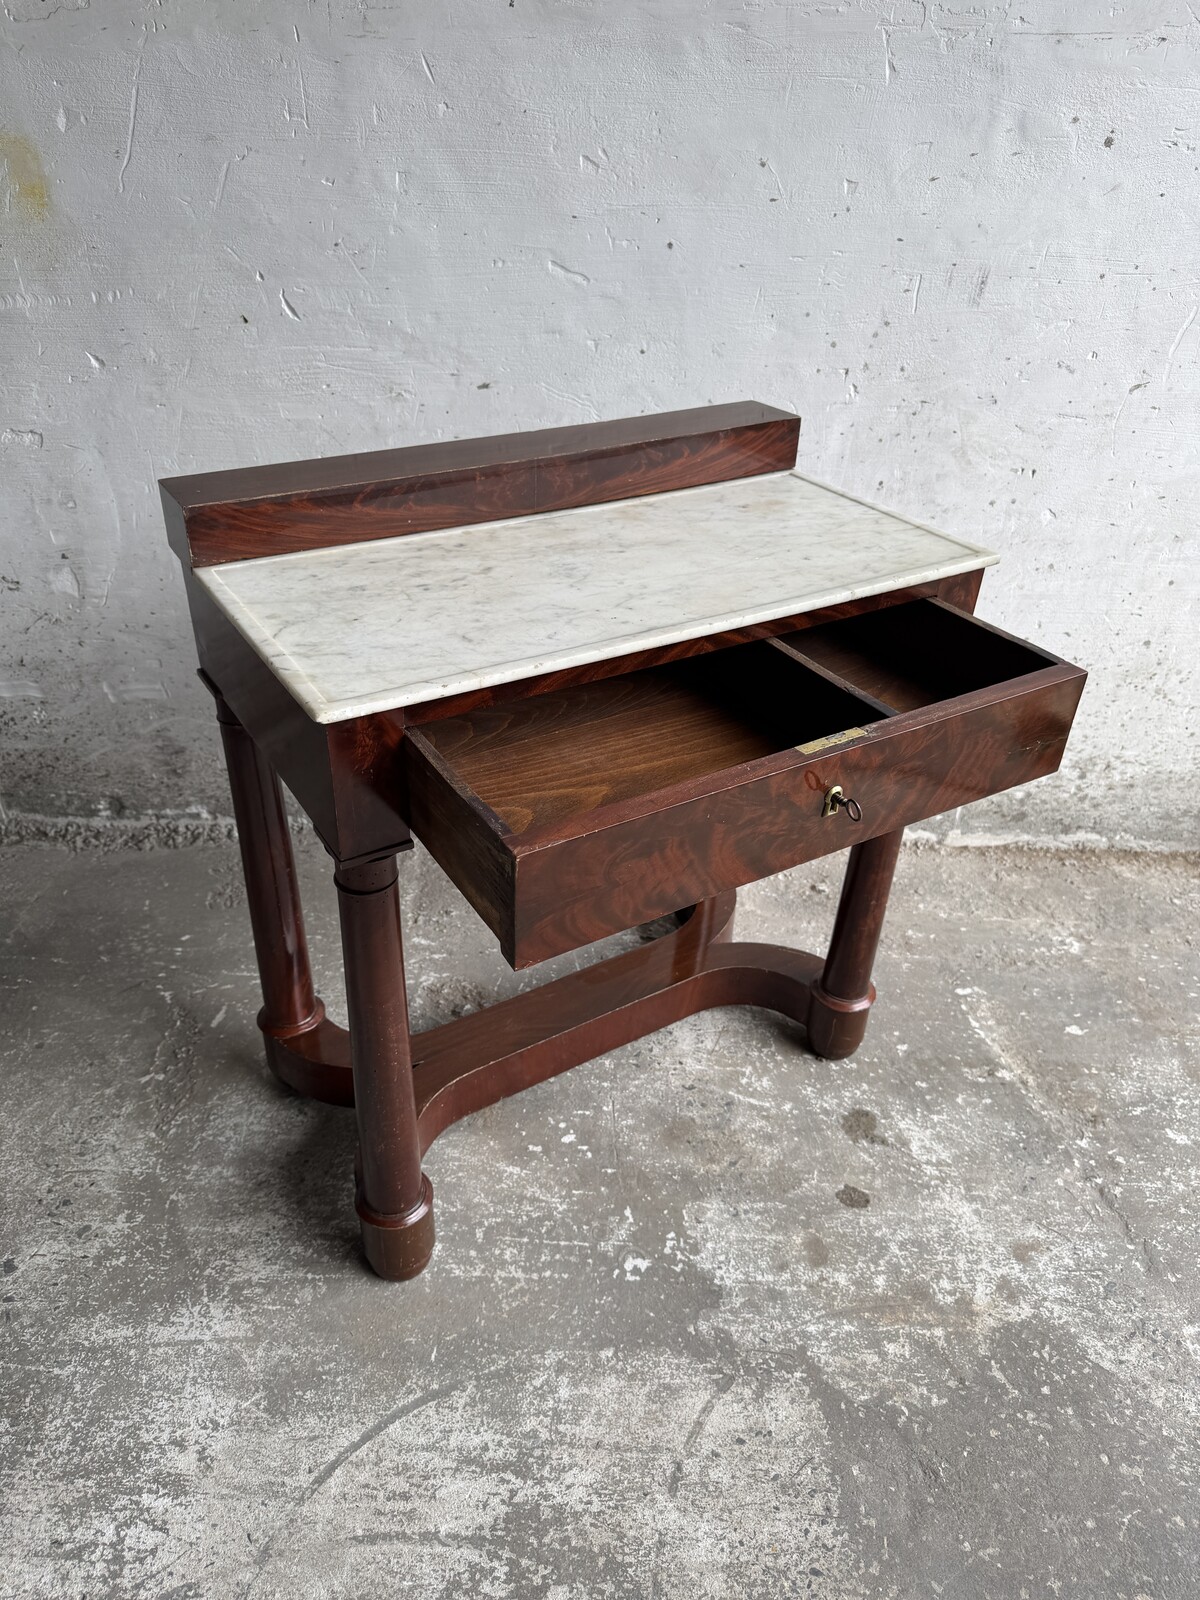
{"points": [[408, 1088], [472, 1062]]}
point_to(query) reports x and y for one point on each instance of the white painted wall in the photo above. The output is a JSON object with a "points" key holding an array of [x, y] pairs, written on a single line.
{"points": [[961, 239]]}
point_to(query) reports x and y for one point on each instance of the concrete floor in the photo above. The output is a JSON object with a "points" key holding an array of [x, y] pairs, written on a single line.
{"points": [[706, 1318]]}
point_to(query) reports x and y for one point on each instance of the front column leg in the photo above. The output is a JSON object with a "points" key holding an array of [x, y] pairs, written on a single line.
{"points": [[843, 995], [289, 1005], [394, 1199]]}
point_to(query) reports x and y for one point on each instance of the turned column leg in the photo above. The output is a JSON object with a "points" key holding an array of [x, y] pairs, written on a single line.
{"points": [[289, 1004], [843, 995], [394, 1199]]}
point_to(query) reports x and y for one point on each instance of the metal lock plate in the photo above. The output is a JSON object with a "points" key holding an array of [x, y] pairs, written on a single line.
{"points": [[835, 800]]}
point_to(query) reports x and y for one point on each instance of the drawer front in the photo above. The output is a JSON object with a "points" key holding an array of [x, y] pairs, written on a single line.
{"points": [[572, 888]]}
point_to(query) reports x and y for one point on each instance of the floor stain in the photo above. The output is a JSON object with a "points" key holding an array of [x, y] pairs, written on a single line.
{"points": [[816, 1251], [1024, 1250], [862, 1126]]}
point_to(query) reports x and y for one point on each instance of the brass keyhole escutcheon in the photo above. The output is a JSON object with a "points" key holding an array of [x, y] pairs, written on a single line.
{"points": [[835, 799]]}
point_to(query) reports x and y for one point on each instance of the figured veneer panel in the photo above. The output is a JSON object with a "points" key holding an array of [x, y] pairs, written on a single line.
{"points": [[620, 801], [307, 505], [756, 822]]}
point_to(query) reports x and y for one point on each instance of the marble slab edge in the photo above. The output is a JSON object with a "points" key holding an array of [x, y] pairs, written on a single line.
{"points": [[418, 691]]}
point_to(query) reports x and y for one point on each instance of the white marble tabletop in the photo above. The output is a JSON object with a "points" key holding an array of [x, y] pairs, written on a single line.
{"points": [[390, 622]]}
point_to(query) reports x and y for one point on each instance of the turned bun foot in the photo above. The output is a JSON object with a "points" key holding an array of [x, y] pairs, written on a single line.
{"points": [[398, 1247], [835, 1026]]}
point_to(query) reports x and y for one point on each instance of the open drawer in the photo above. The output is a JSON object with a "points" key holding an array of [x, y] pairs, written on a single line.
{"points": [[576, 813]]}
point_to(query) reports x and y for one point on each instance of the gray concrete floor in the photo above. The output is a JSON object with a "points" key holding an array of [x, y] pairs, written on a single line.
{"points": [[707, 1317]]}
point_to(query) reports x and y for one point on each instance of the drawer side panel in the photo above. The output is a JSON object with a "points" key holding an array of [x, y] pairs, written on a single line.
{"points": [[463, 837]]}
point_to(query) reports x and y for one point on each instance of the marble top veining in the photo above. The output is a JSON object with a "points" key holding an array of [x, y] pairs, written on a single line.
{"points": [[390, 622]]}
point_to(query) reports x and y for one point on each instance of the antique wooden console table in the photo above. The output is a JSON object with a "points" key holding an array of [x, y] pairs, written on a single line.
{"points": [[604, 674]]}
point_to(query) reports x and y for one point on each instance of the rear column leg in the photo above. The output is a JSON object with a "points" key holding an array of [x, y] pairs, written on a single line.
{"points": [[843, 995], [394, 1198], [290, 1006]]}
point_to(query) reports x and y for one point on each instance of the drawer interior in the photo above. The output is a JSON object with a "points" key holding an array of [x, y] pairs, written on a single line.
{"points": [[913, 655], [568, 814], [534, 762]]}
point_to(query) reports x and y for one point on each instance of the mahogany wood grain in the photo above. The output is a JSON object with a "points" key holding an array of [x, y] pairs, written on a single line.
{"points": [[578, 803], [859, 921], [394, 1199], [347, 775], [467, 837], [462, 1066], [272, 891], [962, 590], [537, 762], [844, 994], [766, 817], [842, 997], [306, 505], [474, 1061], [594, 840], [315, 1062]]}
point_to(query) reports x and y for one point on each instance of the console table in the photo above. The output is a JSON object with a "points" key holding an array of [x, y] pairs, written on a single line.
{"points": [[606, 675]]}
